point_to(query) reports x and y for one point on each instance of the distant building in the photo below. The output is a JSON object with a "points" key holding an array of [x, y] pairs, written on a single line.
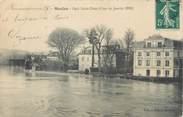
{"points": [[117, 61], [53, 56], [85, 59], [158, 57], [17, 60], [12, 57]]}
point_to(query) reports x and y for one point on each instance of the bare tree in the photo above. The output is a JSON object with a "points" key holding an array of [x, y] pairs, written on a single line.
{"points": [[65, 41], [108, 36], [109, 52], [121, 43], [128, 39], [92, 36], [100, 34]]}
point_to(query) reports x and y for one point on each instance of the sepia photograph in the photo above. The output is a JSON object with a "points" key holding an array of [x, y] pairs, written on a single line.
{"points": [[91, 58]]}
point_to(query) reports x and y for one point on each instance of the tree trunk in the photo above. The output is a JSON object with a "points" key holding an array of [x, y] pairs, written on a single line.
{"points": [[65, 63], [93, 52], [99, 58], [99, 62]]}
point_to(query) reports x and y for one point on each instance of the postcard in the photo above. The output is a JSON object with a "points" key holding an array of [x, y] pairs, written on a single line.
{"points": [[91, 58]]}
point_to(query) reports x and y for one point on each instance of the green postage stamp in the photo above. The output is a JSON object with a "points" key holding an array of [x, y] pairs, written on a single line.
{"points": [[167, 14]]}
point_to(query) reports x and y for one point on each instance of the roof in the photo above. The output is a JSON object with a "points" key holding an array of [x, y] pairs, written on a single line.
{"points": [[171, 43], [155, 37]]}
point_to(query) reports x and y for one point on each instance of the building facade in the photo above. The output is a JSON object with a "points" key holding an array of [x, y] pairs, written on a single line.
{"points": [[158, 57], [114, 60], [85, 59]]}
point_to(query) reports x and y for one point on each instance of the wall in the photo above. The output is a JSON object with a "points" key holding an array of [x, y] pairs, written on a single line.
{"points": [[85, 61], [141, 70]]}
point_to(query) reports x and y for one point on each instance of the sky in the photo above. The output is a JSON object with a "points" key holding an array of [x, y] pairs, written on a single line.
{"points": [[26, 24]]}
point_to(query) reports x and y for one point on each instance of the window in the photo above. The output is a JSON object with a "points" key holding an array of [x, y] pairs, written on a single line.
{"points": [[158, 53], [147, 72], [139, 53], [139, 62], [167, 73], [148, 44], [158, 63], [147, 53], [167, 63], [158, 72], [147, 62], [166, 53], [160, 44]]}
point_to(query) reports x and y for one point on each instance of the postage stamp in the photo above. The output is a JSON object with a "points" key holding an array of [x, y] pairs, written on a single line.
{"points": [[167, 14]]}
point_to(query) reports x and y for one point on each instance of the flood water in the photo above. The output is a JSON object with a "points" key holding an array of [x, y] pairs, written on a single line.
{"points": [[72, 95]]}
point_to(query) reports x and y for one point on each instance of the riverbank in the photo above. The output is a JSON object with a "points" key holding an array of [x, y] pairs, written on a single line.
{"points": [[121, 76], [140, 78], [95, 74], [155, 79]]}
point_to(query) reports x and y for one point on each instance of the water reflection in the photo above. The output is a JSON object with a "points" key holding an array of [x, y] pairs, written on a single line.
{"points": [[43, 94]]}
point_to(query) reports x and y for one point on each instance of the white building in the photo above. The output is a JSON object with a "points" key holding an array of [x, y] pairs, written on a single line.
{"points": [[53, 56], [158, 57], [85, 59]]}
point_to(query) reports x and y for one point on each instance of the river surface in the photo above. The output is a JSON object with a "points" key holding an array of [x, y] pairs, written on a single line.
{"points": [[45, 94]]}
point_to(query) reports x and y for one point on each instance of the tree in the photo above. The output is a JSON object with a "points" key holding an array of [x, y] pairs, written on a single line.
{"points": [[108, 36], [109, 52], [65, 41], [100, 34], [128, 39], [121, 43], [91, 35]]}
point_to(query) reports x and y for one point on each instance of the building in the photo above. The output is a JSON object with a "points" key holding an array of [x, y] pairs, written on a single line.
{"points": [[53, 56], [85, 59], [115, 59], [157, 56], [18, 60]]}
